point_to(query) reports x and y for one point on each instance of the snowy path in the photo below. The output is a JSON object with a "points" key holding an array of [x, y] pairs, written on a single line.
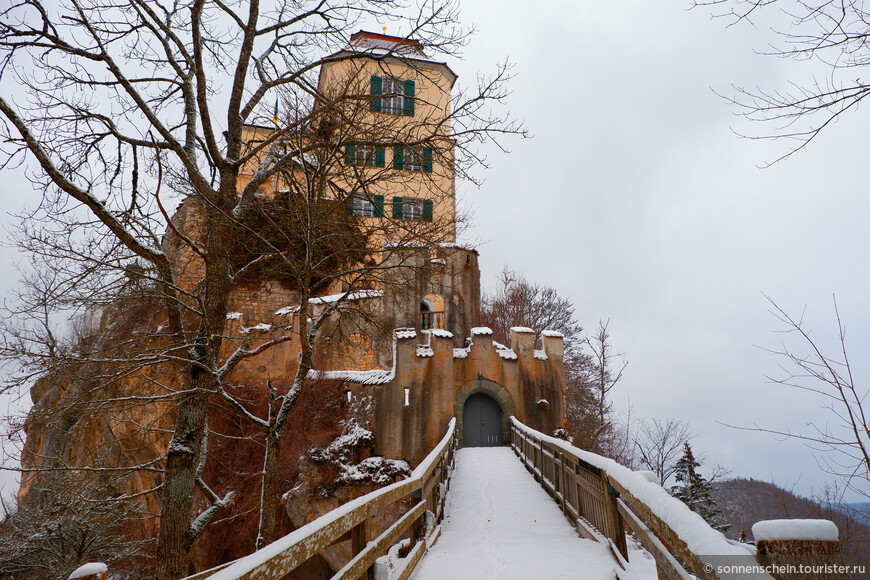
{"points": [[500, 524]]}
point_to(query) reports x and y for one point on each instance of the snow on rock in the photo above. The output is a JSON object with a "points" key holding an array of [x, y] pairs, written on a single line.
{"points": [[234, 315], [345, 445], [553, 333], [89, 569], [344, 450], [699, 537], [439, 332], [262, 327], [821, 530], [377, 470], [481, 330], [425, 351], [540, 355], [525, 329]]}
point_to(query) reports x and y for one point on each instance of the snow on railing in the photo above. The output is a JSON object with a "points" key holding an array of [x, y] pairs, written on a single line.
{"points": [[598, 492], [427, 488]]}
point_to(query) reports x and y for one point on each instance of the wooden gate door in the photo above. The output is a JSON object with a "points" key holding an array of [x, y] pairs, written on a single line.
{"points": [[481, 421]]}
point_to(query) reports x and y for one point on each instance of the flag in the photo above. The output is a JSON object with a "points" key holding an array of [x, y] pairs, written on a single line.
{"points": [[276, 110]]}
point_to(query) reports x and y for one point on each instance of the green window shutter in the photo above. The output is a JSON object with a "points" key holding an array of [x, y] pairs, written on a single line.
{"points": [[376, 84], [427, 210], [350, 205], [398, 157], [409, 98], [349, 154], [380, 157], [427, 159], [379, 205], [397, 208]]}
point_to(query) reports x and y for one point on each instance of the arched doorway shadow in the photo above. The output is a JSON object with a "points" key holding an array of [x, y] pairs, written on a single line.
{"points": [[496, 393]]}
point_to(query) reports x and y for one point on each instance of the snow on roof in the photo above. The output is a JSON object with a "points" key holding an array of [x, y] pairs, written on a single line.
{"points": [[439, 332], [553, 333], [383, 44], [425, 351], [372, 377], [460, 353], [357, 295], [481, 330], [699, 537], [234, 315], [89, 569], [329, 299], [540, 355], [506, 354], [521, 329], [405, 333], [821, 530]]}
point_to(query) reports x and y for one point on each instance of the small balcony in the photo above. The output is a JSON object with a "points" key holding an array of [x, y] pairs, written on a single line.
{"points": [[432, 319]]}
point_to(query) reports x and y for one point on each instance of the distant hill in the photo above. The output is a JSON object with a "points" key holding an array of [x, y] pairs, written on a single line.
{"points": [[746, 501]]}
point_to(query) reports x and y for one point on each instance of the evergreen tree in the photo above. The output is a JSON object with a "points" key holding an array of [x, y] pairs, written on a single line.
{"points": [[694, 490]]}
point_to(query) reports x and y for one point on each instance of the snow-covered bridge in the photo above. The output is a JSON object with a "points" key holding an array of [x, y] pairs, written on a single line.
{"points": [[537, 509], [501, 524]]}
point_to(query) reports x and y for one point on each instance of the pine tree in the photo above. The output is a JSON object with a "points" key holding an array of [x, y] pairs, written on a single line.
{"points": [[694, 490]]}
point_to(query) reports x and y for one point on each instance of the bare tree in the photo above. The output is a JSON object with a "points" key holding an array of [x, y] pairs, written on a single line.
{"points": [[607, 368], [832, 33], [517, 302], [842, 436], [126, 103], [660, 442]]}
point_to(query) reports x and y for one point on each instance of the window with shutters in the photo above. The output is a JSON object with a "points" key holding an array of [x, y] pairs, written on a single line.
{"points": [[364, 155], [412, 158], [412, 208], [363, 206], [392, 96]]}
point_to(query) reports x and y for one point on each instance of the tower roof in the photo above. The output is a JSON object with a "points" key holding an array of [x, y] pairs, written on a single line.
{"points": [[384, 43]]}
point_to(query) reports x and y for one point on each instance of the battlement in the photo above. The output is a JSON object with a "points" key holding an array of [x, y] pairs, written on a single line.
{"points": [[430, 381]]}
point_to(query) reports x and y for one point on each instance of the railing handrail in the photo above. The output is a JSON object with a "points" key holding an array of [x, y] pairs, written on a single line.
{"points": [[646, 506], [283, 555]]}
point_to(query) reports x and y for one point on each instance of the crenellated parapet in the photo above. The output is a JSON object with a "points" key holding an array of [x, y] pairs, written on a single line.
{"points": [[431, 380]]}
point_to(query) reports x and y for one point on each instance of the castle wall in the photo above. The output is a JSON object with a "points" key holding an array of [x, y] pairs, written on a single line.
{"points": [[438, 377]]}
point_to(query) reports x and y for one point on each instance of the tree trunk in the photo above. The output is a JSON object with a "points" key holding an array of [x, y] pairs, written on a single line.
{"points": [[175, 536], [270, 503], [179, 484]]}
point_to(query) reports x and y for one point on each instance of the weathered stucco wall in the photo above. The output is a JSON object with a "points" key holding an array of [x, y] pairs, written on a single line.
{"points": [[439, 378]]}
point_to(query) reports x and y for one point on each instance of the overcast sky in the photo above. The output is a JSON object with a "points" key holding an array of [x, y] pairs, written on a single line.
{"points": [[635, 199]]}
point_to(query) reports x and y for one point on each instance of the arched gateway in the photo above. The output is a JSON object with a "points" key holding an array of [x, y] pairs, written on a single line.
{"points": [[482, 409]]}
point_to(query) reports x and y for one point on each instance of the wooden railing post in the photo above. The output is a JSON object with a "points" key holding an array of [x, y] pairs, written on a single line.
{"points": [[614, 518], [359, 539]]}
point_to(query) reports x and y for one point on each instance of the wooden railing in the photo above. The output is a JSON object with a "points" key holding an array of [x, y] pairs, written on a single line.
{"points": [[426, 488], [603, 499]]}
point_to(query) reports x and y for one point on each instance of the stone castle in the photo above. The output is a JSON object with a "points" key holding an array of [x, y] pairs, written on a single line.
{"points": [[409, 350]]}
